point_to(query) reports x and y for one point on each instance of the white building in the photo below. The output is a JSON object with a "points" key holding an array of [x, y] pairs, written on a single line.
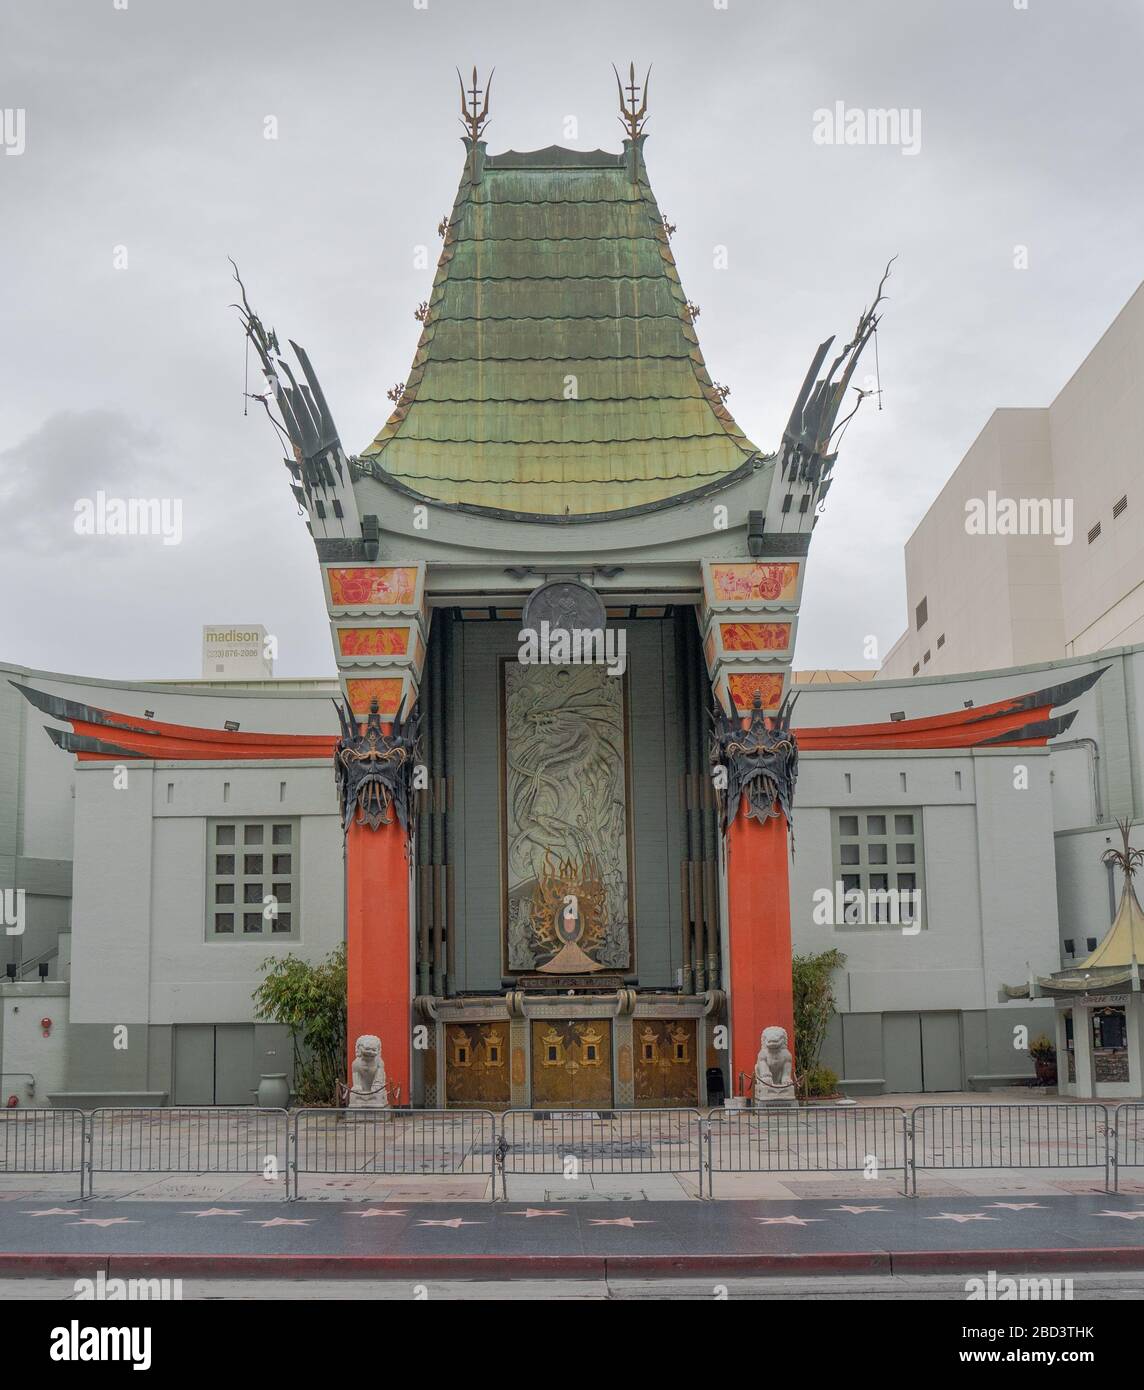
{"points": [[1072, 472]]}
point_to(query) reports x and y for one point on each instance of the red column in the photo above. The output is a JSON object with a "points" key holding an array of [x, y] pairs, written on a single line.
{"points": [[758, 910], [378, 947]]}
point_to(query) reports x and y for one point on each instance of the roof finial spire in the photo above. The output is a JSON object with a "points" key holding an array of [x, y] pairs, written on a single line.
{"points": [[633, 117], [475, 117]]}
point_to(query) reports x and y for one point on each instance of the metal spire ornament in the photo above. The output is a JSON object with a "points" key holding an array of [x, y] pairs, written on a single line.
{"points": [[632, 117], [475, 117]]}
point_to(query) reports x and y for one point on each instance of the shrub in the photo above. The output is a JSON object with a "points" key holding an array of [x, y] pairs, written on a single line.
{"points": [[311, 1001], [819, 1081], [813, 1004]]}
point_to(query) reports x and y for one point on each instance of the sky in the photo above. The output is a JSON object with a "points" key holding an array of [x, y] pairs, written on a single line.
{"points": [[136, 162]]}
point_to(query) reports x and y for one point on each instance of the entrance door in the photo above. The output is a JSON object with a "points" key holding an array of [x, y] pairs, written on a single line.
{"points": [[922, 1052], [666, 1072], [572, 1064], [476, 1065], [941, 1052], [213, 1064]]}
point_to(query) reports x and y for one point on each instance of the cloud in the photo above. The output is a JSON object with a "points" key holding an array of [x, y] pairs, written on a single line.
{"points": [[72, 456]]}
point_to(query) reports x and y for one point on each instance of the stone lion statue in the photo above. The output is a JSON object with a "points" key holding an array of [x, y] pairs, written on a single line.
{"points": [[369, 1084], [774, 1068]]}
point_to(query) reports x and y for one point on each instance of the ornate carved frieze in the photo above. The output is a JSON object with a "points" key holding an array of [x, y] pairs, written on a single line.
{"points": [[566, 821], [756, 765], [374, 769]]}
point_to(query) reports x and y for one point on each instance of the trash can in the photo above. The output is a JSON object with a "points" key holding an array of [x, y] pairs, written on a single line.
{"points": [[716, 1090]]}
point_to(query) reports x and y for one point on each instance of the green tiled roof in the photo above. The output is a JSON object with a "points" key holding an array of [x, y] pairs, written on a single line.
{"points": [[558, 372]]}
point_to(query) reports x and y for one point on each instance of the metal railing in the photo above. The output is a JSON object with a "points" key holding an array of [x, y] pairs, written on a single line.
{"points": [[189, 1139], [396, 1142], [1035, 1135], [809, 1139], [43, 1141], [574, 1143], [1128, 1148], [571, 1143]]}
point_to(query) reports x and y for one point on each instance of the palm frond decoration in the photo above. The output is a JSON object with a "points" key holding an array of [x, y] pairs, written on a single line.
{"points": [[1127, 860]]}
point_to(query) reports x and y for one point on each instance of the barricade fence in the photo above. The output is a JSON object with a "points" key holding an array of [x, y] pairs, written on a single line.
{"points": [[1033, 1135], [190, 1139], [395, 1143], [43, 1141], [570, 1144], [1128, 1151], [283, 1147], [809, 1139]]}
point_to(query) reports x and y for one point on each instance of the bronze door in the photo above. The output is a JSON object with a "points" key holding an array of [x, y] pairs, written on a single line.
{"points": [[666, 1069], [572, 1064], [476, 1064]]}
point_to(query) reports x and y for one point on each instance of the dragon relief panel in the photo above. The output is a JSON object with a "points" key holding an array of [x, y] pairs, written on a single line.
{"points": [[565, 827]]}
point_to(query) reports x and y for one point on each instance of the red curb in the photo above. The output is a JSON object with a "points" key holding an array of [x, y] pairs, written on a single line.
{"points": [[1018, 1261], [27, 1265], [361, 1266], [568, 1266], [813, 1262]]}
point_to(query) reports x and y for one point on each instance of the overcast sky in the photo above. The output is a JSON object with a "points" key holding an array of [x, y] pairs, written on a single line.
{"points": [[144, 131]]}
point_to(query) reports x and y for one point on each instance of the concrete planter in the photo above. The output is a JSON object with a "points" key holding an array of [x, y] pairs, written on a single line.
{"points": [[273, 1090]]}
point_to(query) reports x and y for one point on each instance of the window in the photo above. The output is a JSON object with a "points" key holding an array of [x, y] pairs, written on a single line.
{"points": [[1094, 533], [1118, 507], [941, 641], [921, 613], [917, 667], [878, 862], [926, 656], [252, 877]]}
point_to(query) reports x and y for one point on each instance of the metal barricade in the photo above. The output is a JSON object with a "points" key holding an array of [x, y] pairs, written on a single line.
{"points": [[42, 1141], [190, 1139], [396, 1143], [1128, 1147], [808, 1139], [569, 1143], [1036, 1135]]}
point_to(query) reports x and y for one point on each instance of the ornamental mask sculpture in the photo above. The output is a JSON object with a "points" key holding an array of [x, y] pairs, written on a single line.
{"points": [[760, 762], [374, 769]]}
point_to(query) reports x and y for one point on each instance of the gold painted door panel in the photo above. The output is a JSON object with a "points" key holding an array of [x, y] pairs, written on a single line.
{"points": [[476, 1064], [666, 1071], [572, 1064]]}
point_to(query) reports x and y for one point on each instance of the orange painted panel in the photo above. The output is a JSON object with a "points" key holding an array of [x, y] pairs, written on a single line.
{"points": [[771, 582], [709, 651], [755, 637], [743, 684], [380, 586], [373, 641], [386, 691]]}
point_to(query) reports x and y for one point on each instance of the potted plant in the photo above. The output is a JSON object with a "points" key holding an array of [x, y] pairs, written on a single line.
{"points": [[1044, 1056]]}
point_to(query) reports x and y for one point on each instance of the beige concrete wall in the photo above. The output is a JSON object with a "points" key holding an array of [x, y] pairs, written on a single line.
{"points": [[1003, 600]]}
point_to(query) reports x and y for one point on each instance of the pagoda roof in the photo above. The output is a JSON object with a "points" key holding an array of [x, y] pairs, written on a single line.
{"points": [[558, 371]]}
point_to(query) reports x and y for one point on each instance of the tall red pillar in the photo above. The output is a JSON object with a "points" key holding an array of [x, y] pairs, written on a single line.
{"points": [[758, 912], [379, 948]]}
